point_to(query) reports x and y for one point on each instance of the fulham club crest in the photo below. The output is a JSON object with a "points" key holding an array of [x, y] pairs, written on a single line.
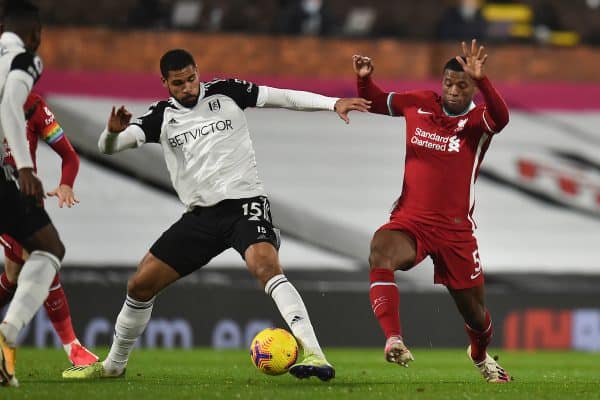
{"points": [[214, 105]]}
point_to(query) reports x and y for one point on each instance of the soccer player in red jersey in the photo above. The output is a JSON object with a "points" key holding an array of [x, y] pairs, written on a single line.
{"points": [[41, 124], [446, 139]]}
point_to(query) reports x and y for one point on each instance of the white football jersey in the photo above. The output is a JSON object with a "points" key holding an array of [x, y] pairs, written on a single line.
{"points": [[207, 148], [27, 65]]}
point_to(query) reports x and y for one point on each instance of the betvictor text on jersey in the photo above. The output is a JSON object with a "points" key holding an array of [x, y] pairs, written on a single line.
{"points": [[194, 134]]}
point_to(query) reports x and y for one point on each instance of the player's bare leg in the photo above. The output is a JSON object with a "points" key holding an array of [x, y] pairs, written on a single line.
{"points": [[390, 250], [37, 273], [151, 277], [263, 262], [478, 325]]}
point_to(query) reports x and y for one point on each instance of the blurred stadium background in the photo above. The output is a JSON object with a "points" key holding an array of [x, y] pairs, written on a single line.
{"points": [[332, 185]]}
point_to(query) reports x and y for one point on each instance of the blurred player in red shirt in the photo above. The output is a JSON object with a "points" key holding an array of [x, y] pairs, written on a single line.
{"points": [[446, 139], [41, 124]]}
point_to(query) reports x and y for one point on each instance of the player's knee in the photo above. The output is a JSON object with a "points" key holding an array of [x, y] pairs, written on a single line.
{"points": [[392, 260], [263, 270], [378, 259], [263, 264], [59, 250], [54, 247], [139, 289]]}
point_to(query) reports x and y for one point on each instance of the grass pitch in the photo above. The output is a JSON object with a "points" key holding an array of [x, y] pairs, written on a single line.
{"points": [[361, 374]]}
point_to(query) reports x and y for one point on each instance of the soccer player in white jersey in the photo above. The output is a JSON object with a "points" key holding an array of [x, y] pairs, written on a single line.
{"points": [[206, 144], [21, 213]]}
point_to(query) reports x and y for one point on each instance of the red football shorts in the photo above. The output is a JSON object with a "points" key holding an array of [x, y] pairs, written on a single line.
{"points": [[13, 250], [455, 254]]}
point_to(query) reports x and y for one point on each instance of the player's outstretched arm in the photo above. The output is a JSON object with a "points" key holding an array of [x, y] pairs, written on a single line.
{"points": [[363, 68], [53, 134], [308, 101], [70, 166], [496, 114], [119, 135]]}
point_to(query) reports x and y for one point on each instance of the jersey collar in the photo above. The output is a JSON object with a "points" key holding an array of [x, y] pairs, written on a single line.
{"points": [[202, 91], [467, 110]]}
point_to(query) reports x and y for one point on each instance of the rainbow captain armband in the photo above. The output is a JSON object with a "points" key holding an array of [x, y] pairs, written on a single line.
{"points": [[52, 133]]}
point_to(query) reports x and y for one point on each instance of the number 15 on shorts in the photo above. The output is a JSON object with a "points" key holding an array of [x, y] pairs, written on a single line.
{"points": [[257, 210]]}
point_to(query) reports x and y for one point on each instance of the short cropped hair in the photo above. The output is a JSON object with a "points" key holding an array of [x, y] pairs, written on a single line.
{"points": [[20, 12], [175, 60], [454, 65]]}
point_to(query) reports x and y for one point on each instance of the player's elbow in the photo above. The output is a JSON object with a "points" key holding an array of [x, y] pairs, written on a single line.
{"points": [[502, 121], [103, 148]]}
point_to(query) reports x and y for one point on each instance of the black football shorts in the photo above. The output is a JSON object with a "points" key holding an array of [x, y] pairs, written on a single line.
{"points": [[20, 216], [205, 232]]}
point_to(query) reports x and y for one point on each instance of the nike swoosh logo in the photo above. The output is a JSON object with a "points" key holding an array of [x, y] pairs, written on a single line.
{"points": [[420, 111], [473, 276]]}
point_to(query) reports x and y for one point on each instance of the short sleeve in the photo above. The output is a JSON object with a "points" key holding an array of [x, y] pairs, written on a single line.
{"points": [[242, 92], [151, 122], [29, 63]]}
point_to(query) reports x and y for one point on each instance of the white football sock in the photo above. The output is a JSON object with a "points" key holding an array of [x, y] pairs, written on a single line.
{"points": [[294, 313], [32, 289], [131, 322]]}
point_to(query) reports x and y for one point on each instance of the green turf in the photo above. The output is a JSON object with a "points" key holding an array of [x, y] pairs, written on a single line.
{"points": [[361, 374]]}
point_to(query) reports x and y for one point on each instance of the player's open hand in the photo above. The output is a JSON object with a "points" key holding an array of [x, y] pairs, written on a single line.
{"points": [[344, 106], [118, 120], [363, 66], [474, 66], [31, 185], [64, 194]]}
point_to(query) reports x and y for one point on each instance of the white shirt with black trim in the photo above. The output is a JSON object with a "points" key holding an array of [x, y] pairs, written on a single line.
{"points": [[207, 148], [19, 70]]}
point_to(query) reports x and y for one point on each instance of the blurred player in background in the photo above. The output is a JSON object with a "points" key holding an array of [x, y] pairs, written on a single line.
{"points": [[41, 124], [203, 132], [22, 215], [446, 139]]}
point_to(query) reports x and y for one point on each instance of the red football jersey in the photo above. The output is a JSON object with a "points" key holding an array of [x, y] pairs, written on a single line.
{"points": [[41, 124], [443, 152]]}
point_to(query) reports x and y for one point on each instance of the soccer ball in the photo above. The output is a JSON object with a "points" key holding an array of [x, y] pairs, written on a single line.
{"points": [[273, 351]]}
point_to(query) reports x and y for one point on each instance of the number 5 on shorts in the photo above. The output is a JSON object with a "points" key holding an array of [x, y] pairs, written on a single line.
{"points": [[477, 262]]}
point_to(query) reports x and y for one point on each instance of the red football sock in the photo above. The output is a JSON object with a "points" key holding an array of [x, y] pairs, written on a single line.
{"points": [[385, 301], [480, 339], [58, 312], [7, 290]]}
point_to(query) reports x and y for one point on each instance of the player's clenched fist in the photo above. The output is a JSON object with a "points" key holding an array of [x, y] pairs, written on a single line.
{"points": [[31, 185], [363, 66], [118, 120]]}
